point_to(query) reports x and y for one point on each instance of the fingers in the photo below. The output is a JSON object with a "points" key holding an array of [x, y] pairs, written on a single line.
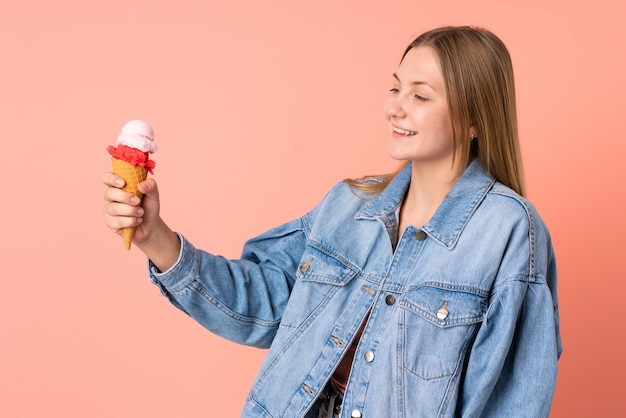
{"points": [[123, 209], [113, 194], [112, 180], [116, 222]]}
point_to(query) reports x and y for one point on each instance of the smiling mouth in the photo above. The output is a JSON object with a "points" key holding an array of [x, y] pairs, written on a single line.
{"points": [[404, 132]]}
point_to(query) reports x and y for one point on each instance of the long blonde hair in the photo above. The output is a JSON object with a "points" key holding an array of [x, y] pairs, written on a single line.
{"points": [[478, 75]]}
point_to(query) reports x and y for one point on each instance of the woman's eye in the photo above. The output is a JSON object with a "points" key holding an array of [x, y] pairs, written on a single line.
{"points": [[394, 90], [421, 98]]}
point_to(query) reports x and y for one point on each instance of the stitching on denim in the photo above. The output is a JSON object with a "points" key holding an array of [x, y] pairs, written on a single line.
{"points": [[334, 254], [197, 287], [531, 232], [293, 338], [452, 238]]}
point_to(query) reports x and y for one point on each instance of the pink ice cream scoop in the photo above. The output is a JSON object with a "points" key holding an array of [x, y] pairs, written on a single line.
{"points": [[139, 135]]}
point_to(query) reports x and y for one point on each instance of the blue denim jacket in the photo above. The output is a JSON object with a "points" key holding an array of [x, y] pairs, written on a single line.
{"points": [[462, 315]]}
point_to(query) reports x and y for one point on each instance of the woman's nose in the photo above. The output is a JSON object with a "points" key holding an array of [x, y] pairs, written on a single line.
{"points": [[393, 108]]}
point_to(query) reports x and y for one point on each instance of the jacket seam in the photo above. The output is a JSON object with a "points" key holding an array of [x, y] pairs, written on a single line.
{"points": [[206, 295], [531, 233]]}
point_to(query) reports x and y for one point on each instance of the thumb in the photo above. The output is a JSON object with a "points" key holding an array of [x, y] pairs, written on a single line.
{"points": [[149, 189], [150, 201]]}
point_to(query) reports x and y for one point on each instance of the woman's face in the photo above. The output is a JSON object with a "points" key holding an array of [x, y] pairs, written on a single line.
{"points": [[417, 111]]}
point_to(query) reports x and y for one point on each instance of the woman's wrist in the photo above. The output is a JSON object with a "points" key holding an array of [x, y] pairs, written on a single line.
{"points": [[162, 247]]}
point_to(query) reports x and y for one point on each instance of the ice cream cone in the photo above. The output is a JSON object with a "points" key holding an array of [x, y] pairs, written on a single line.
{"points": [[132, 175]]}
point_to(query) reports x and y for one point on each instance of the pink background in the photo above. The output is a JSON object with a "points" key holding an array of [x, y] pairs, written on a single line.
{"points": [[258, 108]]}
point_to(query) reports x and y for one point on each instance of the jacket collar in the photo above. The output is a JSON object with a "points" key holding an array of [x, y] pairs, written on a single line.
{"points": [[451, 216]]}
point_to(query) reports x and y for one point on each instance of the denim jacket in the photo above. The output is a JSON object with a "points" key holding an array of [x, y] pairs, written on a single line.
{"points": [[462, 313]]}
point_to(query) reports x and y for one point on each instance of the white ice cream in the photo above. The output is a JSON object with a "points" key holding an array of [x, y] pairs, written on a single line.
{"points": [[139, 135]]}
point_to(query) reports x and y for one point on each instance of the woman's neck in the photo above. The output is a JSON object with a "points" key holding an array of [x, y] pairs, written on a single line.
{"points": [[428, 188]]}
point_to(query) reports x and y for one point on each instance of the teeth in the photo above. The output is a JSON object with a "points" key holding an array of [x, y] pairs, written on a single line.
{"points": [[403, 132]]}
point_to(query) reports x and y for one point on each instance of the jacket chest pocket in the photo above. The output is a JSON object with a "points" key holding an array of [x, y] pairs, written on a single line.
{"points": [[438, 326], [319, 276]]}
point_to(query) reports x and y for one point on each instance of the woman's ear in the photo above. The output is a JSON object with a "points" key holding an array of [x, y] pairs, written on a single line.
{"points": [[473, 133]]}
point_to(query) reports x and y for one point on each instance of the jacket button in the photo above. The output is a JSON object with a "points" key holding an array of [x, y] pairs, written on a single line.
{"points": [[420, 235], [355, 414], [306, 265], [369, 356], [442, 313], [390, 300]]}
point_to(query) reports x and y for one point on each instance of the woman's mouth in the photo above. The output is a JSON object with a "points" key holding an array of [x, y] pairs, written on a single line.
{"points": [[403, 132]]}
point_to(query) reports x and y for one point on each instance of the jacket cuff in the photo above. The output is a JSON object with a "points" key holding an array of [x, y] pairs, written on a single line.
{"points": [[180, 274]]}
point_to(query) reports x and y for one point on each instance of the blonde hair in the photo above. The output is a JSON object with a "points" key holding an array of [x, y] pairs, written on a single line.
{"points": [[478, 75]]}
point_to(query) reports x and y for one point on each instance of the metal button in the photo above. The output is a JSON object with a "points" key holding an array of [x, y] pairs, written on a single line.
{"points": [[355, 414], [420, 235], [337, 341], [442, 313], [306, 265], [390, 300], [368, 356], [308, 389]]}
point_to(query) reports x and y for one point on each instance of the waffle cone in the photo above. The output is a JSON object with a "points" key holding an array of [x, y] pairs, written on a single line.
{"points": [[132, 175]]}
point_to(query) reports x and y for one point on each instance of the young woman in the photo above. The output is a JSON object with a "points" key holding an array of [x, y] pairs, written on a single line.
{"points": [[430, 292]]}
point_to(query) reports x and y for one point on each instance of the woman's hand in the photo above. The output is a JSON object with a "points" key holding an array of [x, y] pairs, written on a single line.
{"points": [[152, 235], [123, 209]]}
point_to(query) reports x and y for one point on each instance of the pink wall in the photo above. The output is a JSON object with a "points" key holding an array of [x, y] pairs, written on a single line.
{"points": [[258, 108]]}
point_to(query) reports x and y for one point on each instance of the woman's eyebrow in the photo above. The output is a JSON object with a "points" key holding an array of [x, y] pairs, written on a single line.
{"points": [[414, 83]]}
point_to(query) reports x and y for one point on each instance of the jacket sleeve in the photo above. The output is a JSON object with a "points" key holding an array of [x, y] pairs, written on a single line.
{"points": [[241, 300], [513, 359]]}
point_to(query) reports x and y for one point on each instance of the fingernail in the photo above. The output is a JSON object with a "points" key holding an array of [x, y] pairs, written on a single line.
{"points": [[119, 182], [134, 200], [139, 212]]}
